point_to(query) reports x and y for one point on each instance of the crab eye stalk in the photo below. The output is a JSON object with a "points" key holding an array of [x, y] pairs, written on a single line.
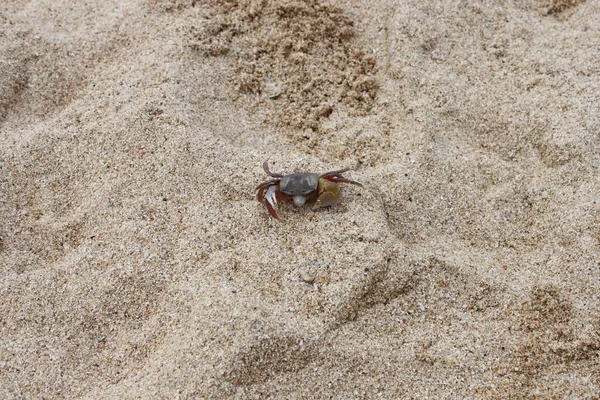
{"points": [[299, 200]]}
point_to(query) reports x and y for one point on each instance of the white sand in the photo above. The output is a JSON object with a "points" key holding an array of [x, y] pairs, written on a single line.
{"points": [[135, 261]]}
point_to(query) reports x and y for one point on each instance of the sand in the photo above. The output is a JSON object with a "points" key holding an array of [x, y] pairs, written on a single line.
{"points": [[135, 261]]}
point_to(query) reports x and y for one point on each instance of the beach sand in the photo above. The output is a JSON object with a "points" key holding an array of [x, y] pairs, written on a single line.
{"points": [[136, 262]]}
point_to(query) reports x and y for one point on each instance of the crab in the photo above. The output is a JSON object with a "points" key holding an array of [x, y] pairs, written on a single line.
{"points": [[322, 190]]}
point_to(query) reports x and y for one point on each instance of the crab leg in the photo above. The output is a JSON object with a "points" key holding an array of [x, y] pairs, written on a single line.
{"points": [[334, 173], [266, 168], [260, 195], [339, 178], [336, 176], [268, 183]]}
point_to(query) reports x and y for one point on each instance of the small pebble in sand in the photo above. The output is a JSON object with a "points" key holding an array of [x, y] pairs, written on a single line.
{"points": [[272, 90], [306, 277]]}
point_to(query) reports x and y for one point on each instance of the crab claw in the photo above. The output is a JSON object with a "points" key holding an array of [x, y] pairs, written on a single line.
{"points": [[271, 201], [325, 200], [329, 194]]}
